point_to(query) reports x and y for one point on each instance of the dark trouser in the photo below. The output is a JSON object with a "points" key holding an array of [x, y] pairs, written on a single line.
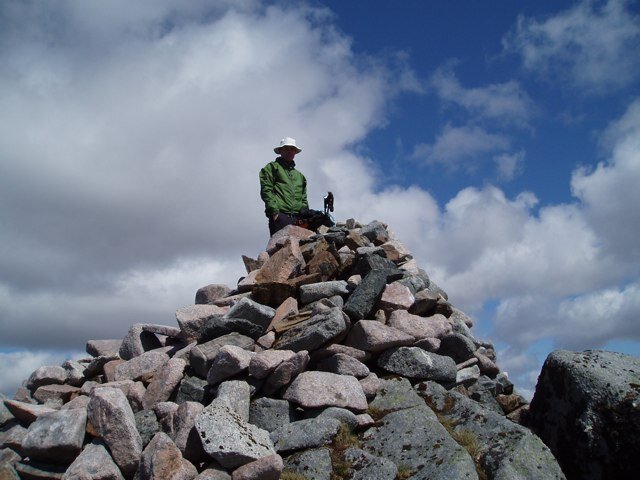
{"points": [[282, 221]]}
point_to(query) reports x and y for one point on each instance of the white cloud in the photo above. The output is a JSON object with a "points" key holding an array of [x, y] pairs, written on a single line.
{"points": [[510, 165], [505, 103], [458, 147], [593, 45]]}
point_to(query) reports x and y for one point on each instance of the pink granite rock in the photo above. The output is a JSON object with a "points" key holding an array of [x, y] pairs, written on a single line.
{"points": [[315, 389]]}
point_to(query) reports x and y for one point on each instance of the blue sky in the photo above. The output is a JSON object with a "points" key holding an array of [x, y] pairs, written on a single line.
{"points": [[500, 140]]}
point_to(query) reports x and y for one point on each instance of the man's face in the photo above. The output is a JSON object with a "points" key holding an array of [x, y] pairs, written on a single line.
{"points": [[288, 153]]}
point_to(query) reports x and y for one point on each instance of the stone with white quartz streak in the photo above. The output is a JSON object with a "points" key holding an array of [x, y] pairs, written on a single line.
{"points": [[313, 389], [111, 416], [230, 440]]}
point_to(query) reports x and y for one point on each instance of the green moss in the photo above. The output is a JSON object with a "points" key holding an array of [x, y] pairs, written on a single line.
{"points": [[289, 475], [343, 440]]}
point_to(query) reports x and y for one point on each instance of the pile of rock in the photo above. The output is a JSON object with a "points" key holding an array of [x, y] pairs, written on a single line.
{"points": [[335, 357]]}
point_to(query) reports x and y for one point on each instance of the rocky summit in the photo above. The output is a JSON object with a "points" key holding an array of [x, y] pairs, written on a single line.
{"points": [[335, 357]]}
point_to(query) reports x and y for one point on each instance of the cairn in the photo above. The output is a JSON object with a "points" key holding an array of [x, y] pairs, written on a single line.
{"points": [[335, 357]]}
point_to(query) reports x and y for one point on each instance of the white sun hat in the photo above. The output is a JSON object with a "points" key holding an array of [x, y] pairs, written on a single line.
{"points": [[287, 142]]}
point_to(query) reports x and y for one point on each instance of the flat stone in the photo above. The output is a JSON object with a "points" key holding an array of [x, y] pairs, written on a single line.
{"points": [[141, 367], [286, 309], [228, 439], [373, 336], [165, 380], [103, 348], [344, 365], [468, 376], [191, 319], [58, 394], [334, 348], [94, 462], [312, 334], [202, 355], [265, 468], [211, 293], [316, 291], [309, 433], [111, 416], [413, 362], [435, 326], [27, 412], [46, 375], [56, 437], [219, 325], [313, 389]]}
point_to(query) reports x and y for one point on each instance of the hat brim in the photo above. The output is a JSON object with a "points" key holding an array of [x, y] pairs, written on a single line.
{"points": [[277, 149]]}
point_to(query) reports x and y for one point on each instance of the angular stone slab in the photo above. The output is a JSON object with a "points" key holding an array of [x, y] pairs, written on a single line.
{"points": [[27, 412], [263, 363], [285, 372], [282, 265], [395, 394], [211, 293], [56, 437], [93, 463], [265, 468], [313, 333], [191, 319], [415, 439], [312, 464], [219, 325], [373, 336], [414, 362], [253, 312], [103, 348], [111, 416], [165, 380], [316, 291], [270, 413], [46, 375], [228, 439], [363, 299], [313, 389], [201, 356], [141, 367], [343, 364], [230, 361], [162, 460], [457, 346], [186, 436], [395, 297], [310, 433], [142, 337], [365, 466], [435, 326]]}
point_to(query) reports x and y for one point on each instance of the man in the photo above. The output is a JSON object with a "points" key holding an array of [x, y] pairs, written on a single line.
{"points": [[283, 188]]}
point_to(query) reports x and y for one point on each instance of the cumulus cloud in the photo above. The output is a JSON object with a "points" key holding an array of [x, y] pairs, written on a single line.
{"points": [[595, 45], [510, 165], [459, 147], [506, 103]]}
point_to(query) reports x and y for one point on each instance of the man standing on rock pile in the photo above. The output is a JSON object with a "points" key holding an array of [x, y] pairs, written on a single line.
{"points": [[283, 188]]}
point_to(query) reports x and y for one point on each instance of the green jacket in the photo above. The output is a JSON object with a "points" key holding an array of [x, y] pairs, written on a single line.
{"points": [[282, 188]]}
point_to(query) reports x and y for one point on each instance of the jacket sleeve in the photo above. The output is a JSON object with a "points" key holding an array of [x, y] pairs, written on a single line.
{"points": [[267, 190]]}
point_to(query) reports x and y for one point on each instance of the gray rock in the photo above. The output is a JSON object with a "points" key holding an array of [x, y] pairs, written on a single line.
{"points": [[103, 348], [147, 425], [252, 311], [112, 417], [230, 361], [202, 355], [394, 394], [468, 376], [236, 393], [213, 474], [373, 336], [364, 466], [286, 372], [211, 293], [313, 333], [345, 416], [185, 434], [414, 439], [585, 408], [309, 433], [504, 449], [75, 373], [191, 319], [363, 299], [218, 325], [141, 367], [96, 366], [55, 395], [5, 415], [165, 412], [8, 472], [46, 376], [39, 471], [316, 291], [370, 385], [313, 464], [165, 380], [193, 389], [143, 337], [425, 302], [457, 346], [12, 435], [344, 365], [230, 440], [413, 362], [376, 232], [313, 389], [56, 437], [270, 413], [93, 463], [8, 456]]}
